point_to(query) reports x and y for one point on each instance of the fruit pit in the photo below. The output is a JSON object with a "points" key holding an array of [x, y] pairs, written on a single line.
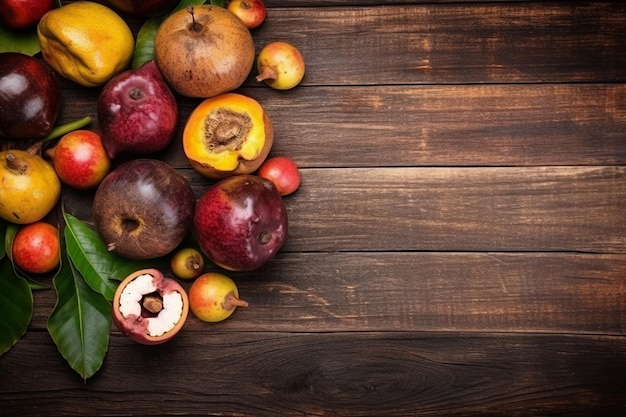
{"points": [[226, 130]]}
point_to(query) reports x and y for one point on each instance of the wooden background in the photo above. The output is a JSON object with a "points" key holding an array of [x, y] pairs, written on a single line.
{"points": [[457, 246]]}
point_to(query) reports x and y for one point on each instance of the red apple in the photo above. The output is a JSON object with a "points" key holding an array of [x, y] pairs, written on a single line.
{"points": [[143, 8], [36, 248], [283, 172], [29, 97], [241, 222], [23, 14], [80, 160], [250, 12]]}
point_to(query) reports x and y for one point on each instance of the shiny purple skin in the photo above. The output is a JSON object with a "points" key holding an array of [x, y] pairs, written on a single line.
{"points": [[143, 209], [143, 8], [137, 112], [241, 222], [30, 97]]}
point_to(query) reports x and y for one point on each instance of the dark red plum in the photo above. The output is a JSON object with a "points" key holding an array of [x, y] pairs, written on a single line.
{"points": [[241, 222], [137, 112], [30, 97]]}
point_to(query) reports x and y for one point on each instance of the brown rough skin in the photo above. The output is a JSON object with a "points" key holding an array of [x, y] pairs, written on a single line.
{"points": [[204, 53], [143, 209], [245, 166]]}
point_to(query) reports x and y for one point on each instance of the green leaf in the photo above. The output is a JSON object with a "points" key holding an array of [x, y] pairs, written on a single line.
{"points": [[80, 323], [23, 41], [144, 45], [101, 269], [16, 306], [3, 231]]}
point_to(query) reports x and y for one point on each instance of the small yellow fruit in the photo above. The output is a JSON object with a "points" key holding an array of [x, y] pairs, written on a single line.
{"points": [[29, 187], [85, 42], [214, 297], [187, 263]]}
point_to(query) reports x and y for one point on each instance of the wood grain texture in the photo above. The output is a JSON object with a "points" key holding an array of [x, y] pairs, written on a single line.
{"points": [[456, 43], [457, 246], [356, 374], [562, 293]]}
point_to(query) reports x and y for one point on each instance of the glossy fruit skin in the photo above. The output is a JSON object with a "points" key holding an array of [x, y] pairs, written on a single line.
{"points": [[251, 12], [137, 112], [29, 187], [187, 263], [212, 152], [80, 160], [136, 327], [241, 222], [30, 97], [85, 42], [283, 172], [23, 14], [280, 65], [143, 8], [36, 248], [143, 209], [215, 59], [213, 297]]}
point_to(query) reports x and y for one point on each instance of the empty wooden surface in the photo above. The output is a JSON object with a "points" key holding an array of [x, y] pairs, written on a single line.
{"points": [[457, 246]]}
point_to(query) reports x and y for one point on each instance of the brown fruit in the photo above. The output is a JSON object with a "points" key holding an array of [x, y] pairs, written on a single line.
{"points": [[203, 51]]}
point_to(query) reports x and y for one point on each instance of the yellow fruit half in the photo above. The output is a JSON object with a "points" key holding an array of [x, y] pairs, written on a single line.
{"points": [[29, 187], [85, 42]]}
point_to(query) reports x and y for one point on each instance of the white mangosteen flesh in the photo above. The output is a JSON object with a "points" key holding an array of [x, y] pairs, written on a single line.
{"points": [[150, 306]]}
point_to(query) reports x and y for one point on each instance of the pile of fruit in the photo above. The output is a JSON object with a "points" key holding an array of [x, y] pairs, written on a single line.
{"points": [[125, 264]]}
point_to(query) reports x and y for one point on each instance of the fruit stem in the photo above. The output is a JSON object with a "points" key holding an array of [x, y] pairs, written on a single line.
{"points": [[195, 26], [268, 73], [67, 128], [231, 301], [16, 164]]}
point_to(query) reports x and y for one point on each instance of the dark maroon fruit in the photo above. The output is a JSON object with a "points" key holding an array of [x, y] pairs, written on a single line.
{"points": [[137, 112], [143, 209], [241, 222], [30, 97]]}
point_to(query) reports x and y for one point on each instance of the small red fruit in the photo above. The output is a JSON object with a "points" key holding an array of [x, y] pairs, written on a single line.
{"points": [[23, 14], [283, 172], [36, 248], [250, 12], [80, 159]]}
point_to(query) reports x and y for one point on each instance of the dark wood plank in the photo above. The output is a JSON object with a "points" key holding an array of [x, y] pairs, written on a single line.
{"points": [[574, 209], [341, 374], [456, 43], [422, 291], [477, 209], [517, 125]]}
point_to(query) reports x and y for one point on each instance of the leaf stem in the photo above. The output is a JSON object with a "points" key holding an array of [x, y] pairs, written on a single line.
{"points": [[66, 128]]}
